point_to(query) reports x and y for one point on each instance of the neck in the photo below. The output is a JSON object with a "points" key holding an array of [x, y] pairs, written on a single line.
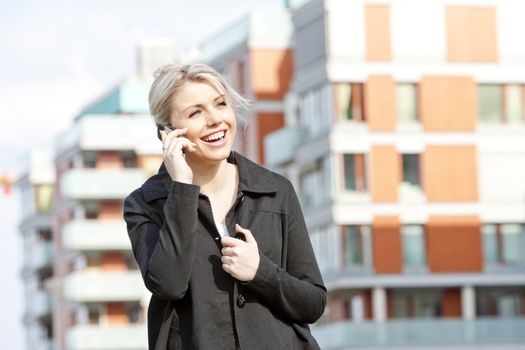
{"points": [[211, 177]]}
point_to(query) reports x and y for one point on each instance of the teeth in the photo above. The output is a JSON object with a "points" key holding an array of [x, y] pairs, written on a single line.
{"points": [[215, 136]]}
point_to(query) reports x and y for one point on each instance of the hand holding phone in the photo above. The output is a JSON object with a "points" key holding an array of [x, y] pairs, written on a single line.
{"points": [[173, 152]]}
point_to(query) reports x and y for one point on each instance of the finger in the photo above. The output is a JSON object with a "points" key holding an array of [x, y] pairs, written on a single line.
{"points": [[227, 268], [247, 234], [179, 144], [163, 134], [230, 242], [228, 251]]}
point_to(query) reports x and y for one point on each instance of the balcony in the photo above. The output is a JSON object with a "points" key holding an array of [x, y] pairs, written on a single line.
{"points": [[40, 256], [280, 145], [41, 304], [86, 235], [84, 184], [91, 337], [104, 286], [423, 332]]}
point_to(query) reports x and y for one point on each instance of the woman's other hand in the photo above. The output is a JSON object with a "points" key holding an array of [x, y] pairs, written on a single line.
{"points": [[240, 258], [174, 146]]}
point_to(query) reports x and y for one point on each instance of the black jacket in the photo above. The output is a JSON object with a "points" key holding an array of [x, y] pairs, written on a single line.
{"points": [[195, 303]]}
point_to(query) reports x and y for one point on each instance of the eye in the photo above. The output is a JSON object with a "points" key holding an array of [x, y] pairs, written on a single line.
{"points": [[222, 103], [192, 114]]}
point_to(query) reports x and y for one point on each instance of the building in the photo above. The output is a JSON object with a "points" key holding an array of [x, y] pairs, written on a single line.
{"points": [[254, 54], [35, 183], [404, 135]]}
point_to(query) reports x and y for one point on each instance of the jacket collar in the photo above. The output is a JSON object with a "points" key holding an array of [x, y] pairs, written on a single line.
{"points": [[252, 178]]}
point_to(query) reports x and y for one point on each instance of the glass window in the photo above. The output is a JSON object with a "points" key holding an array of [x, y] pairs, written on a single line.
{"points": [[44, 198], [316, 110], [357, 245], [504, 243], [354, 172], [502, 302], [350, 101], [514, 101], [490, 105], [416, 303], [513, 243], [315, 183], [490, 244], [406, 103], [411, 173], [413, 237]]}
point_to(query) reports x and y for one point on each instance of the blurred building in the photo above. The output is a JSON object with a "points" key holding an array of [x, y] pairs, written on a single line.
{"points": [[91, 278], [35, 184], [255, 56], [404, 135]]}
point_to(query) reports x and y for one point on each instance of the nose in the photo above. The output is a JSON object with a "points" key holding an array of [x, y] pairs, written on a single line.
{"points": [[214, 117]]}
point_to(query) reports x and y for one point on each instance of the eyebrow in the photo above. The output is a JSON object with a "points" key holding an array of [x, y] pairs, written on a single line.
{"points": [[200, 105]]}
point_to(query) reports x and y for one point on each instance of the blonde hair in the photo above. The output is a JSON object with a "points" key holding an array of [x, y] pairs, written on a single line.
{"points": [[169, 78]]}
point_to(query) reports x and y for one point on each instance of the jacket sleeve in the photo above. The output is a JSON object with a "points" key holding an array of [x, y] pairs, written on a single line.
{"points": [[165, 253], [296, 292]]}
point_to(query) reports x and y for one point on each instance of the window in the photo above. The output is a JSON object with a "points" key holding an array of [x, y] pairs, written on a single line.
{"points": [[354, 172], [413, 240], [506, 302], [411, 174], [501, 103], [357, 246], [44, 195], [416, 303], [504, 243], [315, 182], [349, 101], [406, 103], [316, 110], [325, 243]]}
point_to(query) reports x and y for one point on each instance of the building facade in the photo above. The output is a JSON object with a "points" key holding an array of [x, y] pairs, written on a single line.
{"points": [[254, 55], [405, 139], [35, 184], [100, 300]]}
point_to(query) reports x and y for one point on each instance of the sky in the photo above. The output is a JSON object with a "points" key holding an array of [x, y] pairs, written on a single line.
{"points": [[57, 56]]}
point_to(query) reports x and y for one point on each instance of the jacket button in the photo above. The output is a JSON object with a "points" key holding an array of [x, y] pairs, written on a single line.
{"points": [[241, 300]]}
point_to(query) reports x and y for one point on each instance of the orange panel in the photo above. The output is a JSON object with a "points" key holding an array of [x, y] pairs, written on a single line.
{"points": [[110, 210], [385, 173], [150, 164], [272, 72], [380, 103], [448, 103], [367, 301], [377, 33], [109, 159], [113, 261], [266, 123], [386, 242], [454, 244], [116, 314], [471, 34], [449, 173], [451, 301]]}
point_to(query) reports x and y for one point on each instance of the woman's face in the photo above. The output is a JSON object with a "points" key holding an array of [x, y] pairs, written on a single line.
{"points": [[205, 110]]}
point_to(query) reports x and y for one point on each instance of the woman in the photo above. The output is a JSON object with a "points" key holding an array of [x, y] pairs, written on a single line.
{"points": [[220, 241]]}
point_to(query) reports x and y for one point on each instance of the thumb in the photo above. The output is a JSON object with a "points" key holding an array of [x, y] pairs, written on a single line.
{"points": [[247, 234]]}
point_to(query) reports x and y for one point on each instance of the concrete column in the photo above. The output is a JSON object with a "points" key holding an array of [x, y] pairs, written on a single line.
{"points": [[379, 304], [468, 303]]}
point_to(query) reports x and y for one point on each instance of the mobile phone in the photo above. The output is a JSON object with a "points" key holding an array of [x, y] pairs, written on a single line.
{"points": [[161, 127]]}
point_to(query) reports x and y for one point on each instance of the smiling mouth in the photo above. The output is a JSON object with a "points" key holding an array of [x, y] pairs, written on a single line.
{"points": [[215, 137]]}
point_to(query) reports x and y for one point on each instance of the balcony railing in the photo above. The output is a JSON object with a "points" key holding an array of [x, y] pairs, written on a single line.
{"points": [[348, 335], [92, 337], [85, 235], [92, 286], [41, 304], [41, 255], [82, 184], [280, 145]]}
